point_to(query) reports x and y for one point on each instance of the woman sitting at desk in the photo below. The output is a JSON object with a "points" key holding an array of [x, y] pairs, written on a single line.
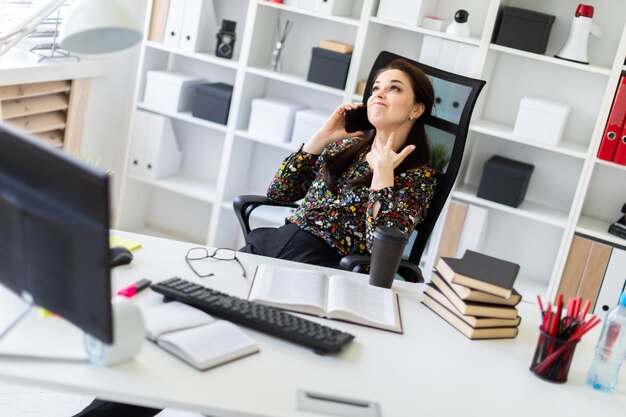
{"points": [[351, 184], [355, 183]]}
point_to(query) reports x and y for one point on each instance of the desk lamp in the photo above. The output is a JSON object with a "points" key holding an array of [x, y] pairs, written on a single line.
{"points": [[91, 27]]}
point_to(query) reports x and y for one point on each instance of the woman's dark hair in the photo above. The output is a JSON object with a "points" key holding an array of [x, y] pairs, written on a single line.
{"points": [[424, 94]]}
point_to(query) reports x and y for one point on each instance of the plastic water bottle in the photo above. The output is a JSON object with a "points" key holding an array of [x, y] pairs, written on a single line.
{"points": [[611, 349]]}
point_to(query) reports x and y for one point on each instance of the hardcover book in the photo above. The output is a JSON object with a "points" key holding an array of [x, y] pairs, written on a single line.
{"points": [[471, 308], [339, 297], [470, 294], [466, 329], [474, 321], [481, 272], [196, 337]]}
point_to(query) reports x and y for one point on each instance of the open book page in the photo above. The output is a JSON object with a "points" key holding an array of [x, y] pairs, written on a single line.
{"points": [[209, 345], [353, 299], [298, 289], [172, 316]]}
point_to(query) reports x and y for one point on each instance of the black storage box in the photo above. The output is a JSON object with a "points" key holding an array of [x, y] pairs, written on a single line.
{"points": [[212, 102], [504, 181], [524, 29], [329, 68]]}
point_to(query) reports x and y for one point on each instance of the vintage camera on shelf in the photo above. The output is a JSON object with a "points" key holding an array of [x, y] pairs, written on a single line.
{"points": [[226, 39], [619, 227]]}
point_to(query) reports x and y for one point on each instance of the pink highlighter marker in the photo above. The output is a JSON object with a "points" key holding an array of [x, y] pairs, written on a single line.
{"points": [[135, 288]]}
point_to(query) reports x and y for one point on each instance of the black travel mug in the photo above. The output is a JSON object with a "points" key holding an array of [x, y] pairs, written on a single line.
{"points": [[387, 249]]}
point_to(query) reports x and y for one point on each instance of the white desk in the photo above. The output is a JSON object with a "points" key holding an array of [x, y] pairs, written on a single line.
{"points": [[431, 370]]}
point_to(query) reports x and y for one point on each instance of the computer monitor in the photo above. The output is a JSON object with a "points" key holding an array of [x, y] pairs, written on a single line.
{"points": [[54, 232]]}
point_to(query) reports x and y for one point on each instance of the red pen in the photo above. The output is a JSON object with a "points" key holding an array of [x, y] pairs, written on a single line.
{"points": [[133, 289]]}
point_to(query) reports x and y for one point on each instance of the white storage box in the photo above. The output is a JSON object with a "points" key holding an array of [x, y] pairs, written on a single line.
{"points": [[170, 91], [272, 118], [307, 123], [541, 120], [409, 12], [433, 23]]}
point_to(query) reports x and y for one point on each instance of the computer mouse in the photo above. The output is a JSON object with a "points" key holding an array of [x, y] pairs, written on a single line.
{"points": [[120, 256]]}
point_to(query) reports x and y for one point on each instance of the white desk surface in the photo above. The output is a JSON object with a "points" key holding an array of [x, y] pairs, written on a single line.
{"points": [[430, 370]]}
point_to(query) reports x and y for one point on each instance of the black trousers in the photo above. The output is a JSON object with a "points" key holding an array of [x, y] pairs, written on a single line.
{"points": [[292, 243]]}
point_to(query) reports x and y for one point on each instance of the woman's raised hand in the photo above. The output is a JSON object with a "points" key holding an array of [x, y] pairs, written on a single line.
{"points": [[333, 130], [383, 156]]}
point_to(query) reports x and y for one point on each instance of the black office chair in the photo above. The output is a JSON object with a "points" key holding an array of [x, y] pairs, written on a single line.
{"points": [[456, 96]]}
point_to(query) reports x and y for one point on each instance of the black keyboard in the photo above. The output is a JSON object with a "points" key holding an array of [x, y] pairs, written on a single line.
{"points": [[267, 319]]}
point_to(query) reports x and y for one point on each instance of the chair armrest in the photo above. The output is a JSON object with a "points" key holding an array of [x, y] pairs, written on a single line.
{"points": [[245, 204], [355, 263], [358, 263], [410, 271]]}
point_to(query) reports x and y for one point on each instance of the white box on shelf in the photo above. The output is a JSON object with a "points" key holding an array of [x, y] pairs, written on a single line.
{"points": [[409, 12], [307, 122], [334, 7], [170, 91], [541, 120], [433, 23], [154, 150], [272, 118]]}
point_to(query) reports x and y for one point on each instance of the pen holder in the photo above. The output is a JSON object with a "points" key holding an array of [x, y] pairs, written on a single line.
{"points": [[552, 358]]}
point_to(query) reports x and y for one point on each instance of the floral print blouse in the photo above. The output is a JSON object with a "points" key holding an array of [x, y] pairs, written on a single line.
{"points": [[345, 219]]}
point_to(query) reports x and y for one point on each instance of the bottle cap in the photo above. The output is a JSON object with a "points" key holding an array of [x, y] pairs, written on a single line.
{"points": [[622, 299], [584, 10]]}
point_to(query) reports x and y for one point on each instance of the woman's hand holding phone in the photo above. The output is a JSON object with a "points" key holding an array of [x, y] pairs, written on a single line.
{"points": [[333, 130]]}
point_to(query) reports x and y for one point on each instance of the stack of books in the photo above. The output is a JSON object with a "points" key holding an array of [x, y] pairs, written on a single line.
{"points": [[475, 294]]}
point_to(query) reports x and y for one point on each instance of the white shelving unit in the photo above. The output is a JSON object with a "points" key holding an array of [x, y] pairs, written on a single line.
{"points": [[570, 190]]}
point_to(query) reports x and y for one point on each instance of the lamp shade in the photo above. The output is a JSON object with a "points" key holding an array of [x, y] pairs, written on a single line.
{"points": [[98, 27]]}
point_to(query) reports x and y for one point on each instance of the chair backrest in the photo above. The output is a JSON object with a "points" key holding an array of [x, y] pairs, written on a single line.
{"points": [[455, 96]]}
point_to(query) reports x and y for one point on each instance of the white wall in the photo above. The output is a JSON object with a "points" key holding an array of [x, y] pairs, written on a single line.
{"points": [[107, 118]]}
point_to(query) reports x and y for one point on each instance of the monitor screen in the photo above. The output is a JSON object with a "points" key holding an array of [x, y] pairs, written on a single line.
{"points": [[54, 232]]}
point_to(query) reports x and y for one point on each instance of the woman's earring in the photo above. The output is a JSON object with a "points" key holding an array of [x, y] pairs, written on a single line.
{"points": [[411, 118]]}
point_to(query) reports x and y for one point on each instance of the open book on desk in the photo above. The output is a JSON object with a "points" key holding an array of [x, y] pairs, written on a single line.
{"points": [[339, 297], [196, 337]]}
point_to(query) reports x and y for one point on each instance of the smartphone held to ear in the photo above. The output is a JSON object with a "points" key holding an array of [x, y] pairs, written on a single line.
{"points": [[356, 120]]}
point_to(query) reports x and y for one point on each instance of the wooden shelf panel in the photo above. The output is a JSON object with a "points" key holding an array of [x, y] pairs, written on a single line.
{"points": [[53, 138], [34, 105], [11, 92], [40, 122]]}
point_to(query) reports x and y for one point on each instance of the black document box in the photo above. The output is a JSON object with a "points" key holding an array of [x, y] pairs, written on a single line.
{"points": [[212, 102], [524, 29], [329, 68], [504, 181]]}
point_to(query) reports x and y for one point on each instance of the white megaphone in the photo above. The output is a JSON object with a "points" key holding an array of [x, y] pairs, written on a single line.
{"points": [[575, 49]]}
